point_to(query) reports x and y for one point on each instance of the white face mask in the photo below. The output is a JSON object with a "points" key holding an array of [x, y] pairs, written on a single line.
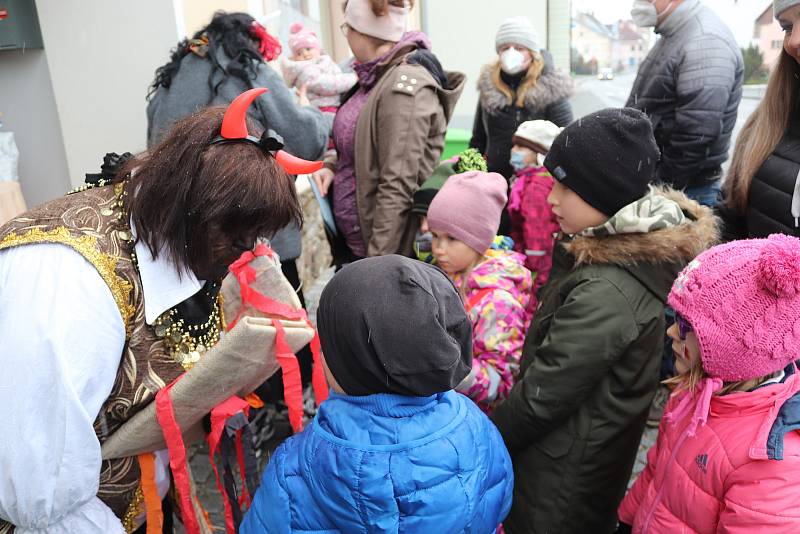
{"points": [[511, 61], [644, 14]]}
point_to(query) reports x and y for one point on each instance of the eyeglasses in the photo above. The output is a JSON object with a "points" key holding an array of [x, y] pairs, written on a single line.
{"points": [[345, 28], [683, 327]]}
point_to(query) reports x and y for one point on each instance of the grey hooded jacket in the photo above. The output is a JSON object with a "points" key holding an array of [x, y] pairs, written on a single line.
{"points": [[304, 129], [690, 85]]}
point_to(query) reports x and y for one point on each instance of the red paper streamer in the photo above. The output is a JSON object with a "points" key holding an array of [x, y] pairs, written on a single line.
{"points": [[177, 456], [292, 385]]}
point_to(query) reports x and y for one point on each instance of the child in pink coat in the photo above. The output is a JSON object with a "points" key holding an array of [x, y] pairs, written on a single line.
{"points": [[727, 459], [533, 224], [313, 69], [494, 283]]}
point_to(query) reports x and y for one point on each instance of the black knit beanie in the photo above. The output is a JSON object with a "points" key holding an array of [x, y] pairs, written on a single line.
{"points": [[391, 324], [608, 158]]}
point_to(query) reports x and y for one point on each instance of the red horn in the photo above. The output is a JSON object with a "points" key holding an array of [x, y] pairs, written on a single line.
{"points": [[295, 165], [234, 125]]}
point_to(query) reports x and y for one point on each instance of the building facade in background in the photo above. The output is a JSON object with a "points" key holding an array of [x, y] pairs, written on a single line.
{"points": [[621, 46], [592, 44], [630, 46], [768, 36]]}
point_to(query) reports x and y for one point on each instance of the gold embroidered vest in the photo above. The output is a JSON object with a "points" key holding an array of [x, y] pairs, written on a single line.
{"points": [[91, 223]]}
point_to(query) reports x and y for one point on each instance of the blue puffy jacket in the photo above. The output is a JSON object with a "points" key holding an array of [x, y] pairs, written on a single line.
{"points": [[387, 463]]}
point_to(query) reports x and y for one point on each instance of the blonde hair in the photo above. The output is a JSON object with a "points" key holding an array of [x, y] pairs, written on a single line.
{"points": [[528, 82], [762, 132], [689, 379]]}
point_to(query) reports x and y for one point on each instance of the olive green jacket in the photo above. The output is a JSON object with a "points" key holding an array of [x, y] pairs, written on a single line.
{"points": [[590, 367]]}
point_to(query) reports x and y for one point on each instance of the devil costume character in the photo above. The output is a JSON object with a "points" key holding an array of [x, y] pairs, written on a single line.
{"points": [[92, 327]]}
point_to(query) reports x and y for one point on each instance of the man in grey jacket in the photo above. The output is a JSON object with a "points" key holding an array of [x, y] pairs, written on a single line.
{"points": [[689, 85]]}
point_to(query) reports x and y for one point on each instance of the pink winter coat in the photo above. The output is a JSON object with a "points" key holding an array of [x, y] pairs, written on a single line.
{"points": [[498, 293], [533, 223], [721, 480], [325, 80]]}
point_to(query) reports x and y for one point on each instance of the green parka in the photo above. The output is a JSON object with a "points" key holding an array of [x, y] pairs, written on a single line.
{"points": [[590, 367]]}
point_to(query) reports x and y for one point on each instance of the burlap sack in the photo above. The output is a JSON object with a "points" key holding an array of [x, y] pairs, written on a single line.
{"points": [[238, 364], [242, 360], [269, 281]]}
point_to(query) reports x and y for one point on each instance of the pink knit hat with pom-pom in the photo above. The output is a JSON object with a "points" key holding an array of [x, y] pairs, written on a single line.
{"points": [[302, 37], [742, 300]]}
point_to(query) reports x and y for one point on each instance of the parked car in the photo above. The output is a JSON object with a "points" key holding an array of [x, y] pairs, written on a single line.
{"points": [[606, 73]]}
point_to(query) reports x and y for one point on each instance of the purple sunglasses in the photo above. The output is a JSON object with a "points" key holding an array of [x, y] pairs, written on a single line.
{"points": [[683, 327]]}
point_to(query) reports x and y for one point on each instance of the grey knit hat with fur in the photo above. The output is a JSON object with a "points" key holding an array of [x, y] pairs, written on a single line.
{"points": [[779, 6]]}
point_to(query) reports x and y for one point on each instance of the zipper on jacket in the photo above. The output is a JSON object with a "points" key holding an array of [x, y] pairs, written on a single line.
{"points": [[796, 201], [659, 494]]}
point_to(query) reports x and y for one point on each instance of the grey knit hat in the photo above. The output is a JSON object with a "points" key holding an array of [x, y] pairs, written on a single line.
{"points": [[518, 30], [779, 6]]}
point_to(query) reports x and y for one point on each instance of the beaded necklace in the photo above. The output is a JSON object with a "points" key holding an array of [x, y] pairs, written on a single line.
{"points": [[184, 341]]}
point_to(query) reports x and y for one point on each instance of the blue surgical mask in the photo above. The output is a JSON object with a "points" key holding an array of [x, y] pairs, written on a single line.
{"points": [[518, 161]]}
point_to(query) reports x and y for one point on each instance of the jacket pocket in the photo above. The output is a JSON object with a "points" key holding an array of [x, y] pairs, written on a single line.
{"points": [[556, 444]]}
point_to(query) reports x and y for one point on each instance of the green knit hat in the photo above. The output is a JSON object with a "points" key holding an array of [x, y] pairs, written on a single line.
{"points": [[468, 160]]}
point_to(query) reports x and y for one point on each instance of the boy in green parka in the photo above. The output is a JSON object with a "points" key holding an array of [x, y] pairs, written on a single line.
{"points": [[590, 364]]}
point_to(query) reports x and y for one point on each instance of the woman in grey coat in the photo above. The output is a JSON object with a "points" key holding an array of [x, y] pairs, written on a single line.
{"points": [[220, 62]]}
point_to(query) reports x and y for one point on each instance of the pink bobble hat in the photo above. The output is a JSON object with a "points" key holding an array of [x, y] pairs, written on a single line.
{"points": [[742, 300], [302, 37]]}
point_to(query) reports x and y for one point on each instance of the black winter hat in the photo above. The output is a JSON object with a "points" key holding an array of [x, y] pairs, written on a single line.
{"points": [[391, 324], [608, 158]]}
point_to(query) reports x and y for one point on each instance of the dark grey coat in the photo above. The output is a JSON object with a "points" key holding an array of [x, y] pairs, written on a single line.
{"points": [[690, 85], [305, 130]]}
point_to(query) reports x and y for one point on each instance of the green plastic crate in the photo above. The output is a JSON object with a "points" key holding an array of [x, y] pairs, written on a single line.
{"points": [[455, 141]]}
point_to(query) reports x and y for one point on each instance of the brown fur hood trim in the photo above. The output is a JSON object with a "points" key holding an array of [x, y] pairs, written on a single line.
{"points": [[669, 245], [552, 86]]}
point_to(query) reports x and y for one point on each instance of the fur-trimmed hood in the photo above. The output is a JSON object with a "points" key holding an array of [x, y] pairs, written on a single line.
{"points": [[552, 86], [655, 258], [668, 245]]}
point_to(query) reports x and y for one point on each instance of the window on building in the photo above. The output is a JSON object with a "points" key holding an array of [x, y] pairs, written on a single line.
{"points": [[777, 44]]}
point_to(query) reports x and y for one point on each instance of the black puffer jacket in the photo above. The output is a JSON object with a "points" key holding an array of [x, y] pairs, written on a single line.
{"points": [[496, 120], [773, 191], [690, 85]]}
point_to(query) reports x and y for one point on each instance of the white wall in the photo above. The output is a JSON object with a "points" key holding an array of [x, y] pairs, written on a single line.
{"points": [[29, 110], [463, 39], [102, 55]]}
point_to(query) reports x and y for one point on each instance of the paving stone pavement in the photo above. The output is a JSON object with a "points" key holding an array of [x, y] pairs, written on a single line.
{"points": [[204, 476]]}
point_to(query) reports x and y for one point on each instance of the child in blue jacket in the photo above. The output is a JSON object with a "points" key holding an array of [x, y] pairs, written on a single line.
{"points": [[394, 448]]}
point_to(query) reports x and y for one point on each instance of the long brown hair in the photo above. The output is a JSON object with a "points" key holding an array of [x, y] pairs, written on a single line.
{"points": [[528, 82], [184, 187], [763, 131]]}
